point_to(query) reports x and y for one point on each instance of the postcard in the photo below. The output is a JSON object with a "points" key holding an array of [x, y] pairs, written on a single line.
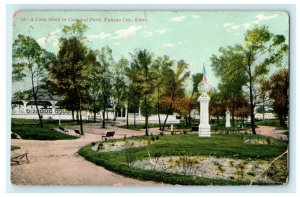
{"points": [[150, 98]]}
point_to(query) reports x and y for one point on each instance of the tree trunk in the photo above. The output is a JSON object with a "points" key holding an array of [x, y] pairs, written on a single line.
{"points": [[134, 120], [127, 125], [95, 114], [146, 118], [38, 111], [73, 118], [251, 103], [233, 110], [103, 113], [103, 118], [34, 94], [80, 120], [77, 117]]}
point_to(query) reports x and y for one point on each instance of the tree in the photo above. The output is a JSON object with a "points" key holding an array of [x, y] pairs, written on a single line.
{"points": [[251, 61], [196, 79], [163, 79], [31, 61], [106, 64], [279, 85], [142, 79], [92, 74], [181, 75], [119, 85], [67, 72]]}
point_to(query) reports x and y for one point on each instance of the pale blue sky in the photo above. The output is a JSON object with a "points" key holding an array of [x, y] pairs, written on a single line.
{"points": [[189, 35]]}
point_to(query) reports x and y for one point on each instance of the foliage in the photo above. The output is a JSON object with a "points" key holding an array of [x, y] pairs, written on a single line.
{"points": [[279, 84], [181, 74], [142, 79], [230, 146], [246, 65], [30, 61], [66, 75]]}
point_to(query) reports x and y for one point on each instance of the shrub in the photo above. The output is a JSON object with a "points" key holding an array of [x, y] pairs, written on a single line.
{"points": [[130, 155], [157, 137], [152, 138]]}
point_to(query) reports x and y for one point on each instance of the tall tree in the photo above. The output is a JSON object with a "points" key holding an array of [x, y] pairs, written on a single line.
{"points": [[251, 61], [120, 85], [142, 79], [92, 74], [163, 79], [106, 61], [31, 61], [196, 79], [67, 73], [181, 74], [279, 85]]}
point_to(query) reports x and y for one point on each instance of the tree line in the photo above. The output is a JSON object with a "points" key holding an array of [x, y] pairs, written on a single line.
{"points": [[92, 80]]}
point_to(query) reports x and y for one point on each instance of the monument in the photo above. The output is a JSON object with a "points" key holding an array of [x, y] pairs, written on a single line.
{"points": [[204, 127], [227, 124]]}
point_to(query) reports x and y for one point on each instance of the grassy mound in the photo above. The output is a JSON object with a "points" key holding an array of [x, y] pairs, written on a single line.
{"points": [[230, 146], [30, 129]]}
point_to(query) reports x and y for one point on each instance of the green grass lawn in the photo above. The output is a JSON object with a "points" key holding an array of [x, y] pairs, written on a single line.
{"points": [[30, 129], [230, 146]]}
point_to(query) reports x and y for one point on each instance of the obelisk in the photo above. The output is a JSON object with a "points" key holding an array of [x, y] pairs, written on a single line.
{"points": [[204, 127]]}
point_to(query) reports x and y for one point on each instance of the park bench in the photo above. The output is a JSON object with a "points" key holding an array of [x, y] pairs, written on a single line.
{"points": [[78, 132], [63, 129], [20, 158], [109, 134]]}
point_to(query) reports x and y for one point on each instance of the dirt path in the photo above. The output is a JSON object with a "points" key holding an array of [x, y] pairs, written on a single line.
{"points": [[271, 132], [56, 162]]}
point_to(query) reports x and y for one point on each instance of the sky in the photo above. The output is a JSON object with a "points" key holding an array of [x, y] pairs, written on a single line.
{"points": [[193, 36]]}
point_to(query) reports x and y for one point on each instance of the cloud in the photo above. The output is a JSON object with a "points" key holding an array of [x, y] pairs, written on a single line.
{"points": [[51, 37], [148, 34], [228, 24], [101, 36], [262, 17], [196, 17], [235, 27], [124, 33], [161, 31], [178, 19], [167, 45], [246, 25]]}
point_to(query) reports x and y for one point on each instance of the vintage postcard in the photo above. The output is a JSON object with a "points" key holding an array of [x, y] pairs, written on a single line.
{"points": [[150, 98]]}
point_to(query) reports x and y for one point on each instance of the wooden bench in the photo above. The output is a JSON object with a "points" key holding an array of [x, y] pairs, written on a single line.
{"points": [[19, 159], [109, 134], [78, 132], [63, 129]]}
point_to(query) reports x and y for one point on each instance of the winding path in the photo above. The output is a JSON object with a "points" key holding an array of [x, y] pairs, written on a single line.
{"points": [[56, 162]]}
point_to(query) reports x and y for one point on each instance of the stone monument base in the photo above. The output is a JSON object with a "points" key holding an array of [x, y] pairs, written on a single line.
{"points": [[204, 130], [227, 124]]}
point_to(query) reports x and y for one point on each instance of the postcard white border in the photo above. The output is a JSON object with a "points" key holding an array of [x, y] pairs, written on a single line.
{"points": [[290, 188]]}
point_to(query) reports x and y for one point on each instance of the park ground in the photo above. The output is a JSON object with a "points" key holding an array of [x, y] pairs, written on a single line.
{"points": [[57, 162]]}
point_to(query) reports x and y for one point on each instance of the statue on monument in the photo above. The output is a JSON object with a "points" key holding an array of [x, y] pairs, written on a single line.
{"points": [[203, 85], [204, 127]]}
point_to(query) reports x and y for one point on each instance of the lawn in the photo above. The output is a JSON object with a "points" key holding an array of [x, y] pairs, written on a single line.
{"points": [[229, 146], [30, 129]]}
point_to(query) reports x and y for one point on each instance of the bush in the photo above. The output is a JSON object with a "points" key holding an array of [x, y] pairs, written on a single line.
{"points": [[230, 146]]}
